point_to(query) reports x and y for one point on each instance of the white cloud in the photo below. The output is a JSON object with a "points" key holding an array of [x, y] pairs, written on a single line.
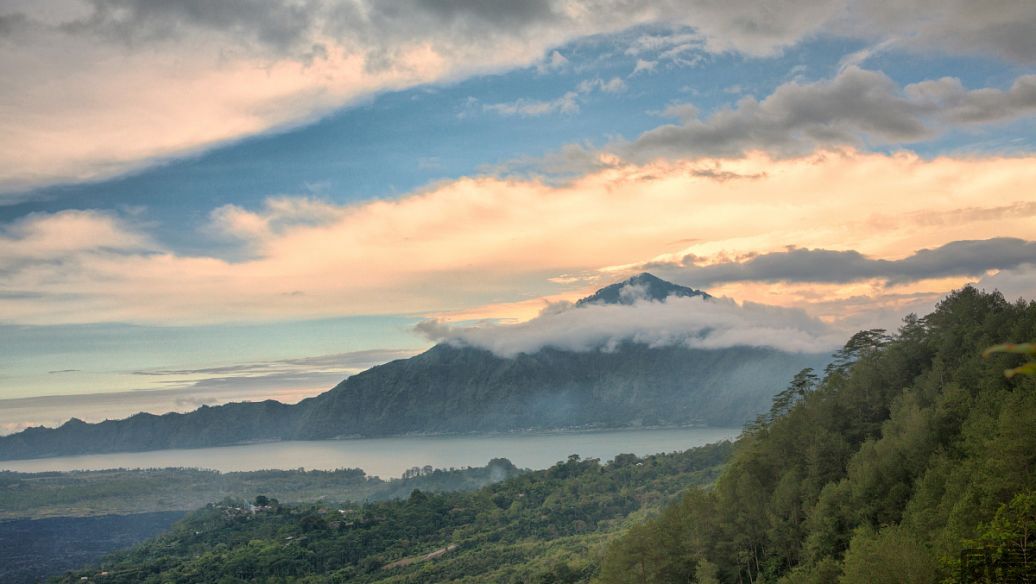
{"points": [[644, 66], [97, 88], [568, 103], [47, 237], [555, 61], [691, 322], [613, 85], [475, 242]]}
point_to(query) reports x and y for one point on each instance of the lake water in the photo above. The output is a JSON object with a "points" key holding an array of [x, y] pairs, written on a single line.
{"points": [[389, 457]]}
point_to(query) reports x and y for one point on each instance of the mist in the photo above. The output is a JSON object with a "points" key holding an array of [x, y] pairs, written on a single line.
{"points": [[715, 323]]}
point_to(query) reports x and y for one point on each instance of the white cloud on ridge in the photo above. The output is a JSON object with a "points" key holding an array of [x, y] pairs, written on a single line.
{"points": [[691, 322]]}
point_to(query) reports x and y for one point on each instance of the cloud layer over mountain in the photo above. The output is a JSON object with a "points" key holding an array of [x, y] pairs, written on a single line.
{"points": [[692, 322]]}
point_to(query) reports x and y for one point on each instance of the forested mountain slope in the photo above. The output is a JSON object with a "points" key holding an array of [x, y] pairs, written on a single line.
{"points": [[912, 450], [458, 389]]}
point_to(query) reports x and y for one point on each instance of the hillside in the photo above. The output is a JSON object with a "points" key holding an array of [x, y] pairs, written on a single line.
{"points": [[913, 451], [468, 389], [540, 526], [458, 389]]}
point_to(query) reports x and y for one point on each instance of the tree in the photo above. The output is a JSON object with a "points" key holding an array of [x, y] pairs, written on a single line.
{"points": [[706, 573], [858, 345], [1007, 544], [802, 384], [889, 556]]}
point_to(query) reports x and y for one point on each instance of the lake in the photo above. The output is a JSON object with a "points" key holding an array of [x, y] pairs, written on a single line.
{"points": [[389, 457]]}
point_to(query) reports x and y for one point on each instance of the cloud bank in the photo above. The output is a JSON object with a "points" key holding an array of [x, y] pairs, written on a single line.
{"points": [[155, 79], [690, 322], [475, 242], [956, 258], [857, 107]]}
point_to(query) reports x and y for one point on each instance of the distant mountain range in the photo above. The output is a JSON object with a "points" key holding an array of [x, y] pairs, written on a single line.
{"points": [[452, 389]]}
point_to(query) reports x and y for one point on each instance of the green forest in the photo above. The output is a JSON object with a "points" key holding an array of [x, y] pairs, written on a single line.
{"points": [[538, 526], [911, 449], [909, 454]]}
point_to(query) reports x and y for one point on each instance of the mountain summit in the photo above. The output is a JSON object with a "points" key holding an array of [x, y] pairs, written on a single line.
{"points": [[643, 286]]}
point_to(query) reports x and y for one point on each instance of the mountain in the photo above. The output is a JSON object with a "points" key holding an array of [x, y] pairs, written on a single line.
{"points": [[460, 389], [467, 389], [641, 287], [912, 461]]}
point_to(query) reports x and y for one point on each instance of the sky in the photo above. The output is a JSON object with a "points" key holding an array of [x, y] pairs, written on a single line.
{"points": [[208, 202]]}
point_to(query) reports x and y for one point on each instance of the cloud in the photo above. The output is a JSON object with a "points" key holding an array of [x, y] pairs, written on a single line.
{"points": [[489, 241], [1013, 283], [555, 61], [277, 215], [613, 85], [676, 49], [952, 102], [1000, 28], [956, 258], [337, 363], [644, 66], [159, 79], [568, 103], [52, 236], [285, 380], [857, 107], [691, 322]]}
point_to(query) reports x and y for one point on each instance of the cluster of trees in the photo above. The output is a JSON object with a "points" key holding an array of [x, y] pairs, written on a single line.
{"points": [[538, 526], [912, 449]]}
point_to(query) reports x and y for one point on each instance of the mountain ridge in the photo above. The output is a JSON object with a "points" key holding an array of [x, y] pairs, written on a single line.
{"points": [[458, 389]]}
